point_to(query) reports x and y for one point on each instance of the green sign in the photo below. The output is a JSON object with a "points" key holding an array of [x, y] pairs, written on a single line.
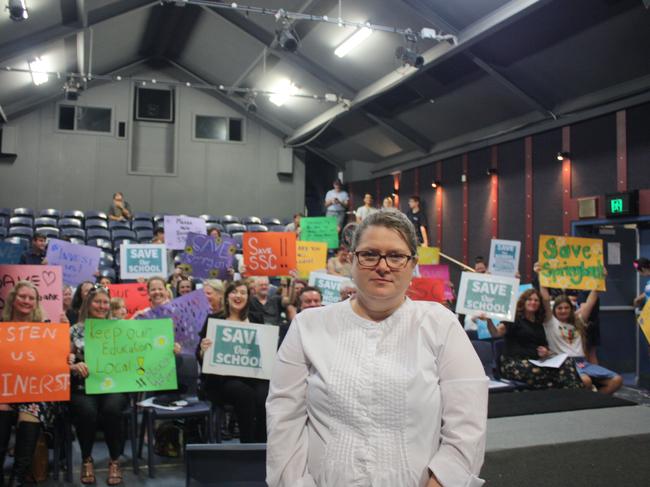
{"points": [[320, 229], [236, 346], [616, 205], [130, 356]]}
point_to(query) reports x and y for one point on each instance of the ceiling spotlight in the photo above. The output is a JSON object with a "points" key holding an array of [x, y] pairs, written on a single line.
{"points": [[250, 104], [72, 89], [282, 91], [409, 57], [491, 171], [436, 184], [563, 155], [38, 71], [287, 39], [17, 10]]}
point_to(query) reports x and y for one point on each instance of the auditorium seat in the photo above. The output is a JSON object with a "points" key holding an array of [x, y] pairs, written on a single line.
{"points": [[4, 220], [485, 353], [3, 232], [251, 220], [212, 225], [226, 219], [226, 465], [106, 260], [26, 212], [45, 221], [238, 237], [96, 214], [122, 233], [158, 218], [73, 233], [96, 223], [271, 221], [210, 218], [142, 216], [114, 225], [277, 228], [142, 225], [78, 214], [76, 240], [108, 272], [98, 233], [49, 213], [20, 221], [102, 243], [69, 223], [5, 212], [144, 236], [117, 242], [235, 228], [257, 228], [26, 232], [18, 240], [49, 232]]}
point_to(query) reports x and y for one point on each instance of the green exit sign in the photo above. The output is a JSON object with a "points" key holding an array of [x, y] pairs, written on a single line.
{"points": [[622, 204], [616, 205]]}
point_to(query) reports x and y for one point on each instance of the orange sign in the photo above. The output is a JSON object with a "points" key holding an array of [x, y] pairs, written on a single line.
{"points": [[34, 362], [269, 253], [135, 296], [426, 289]]}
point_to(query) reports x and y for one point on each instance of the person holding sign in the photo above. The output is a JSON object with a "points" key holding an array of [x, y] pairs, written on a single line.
{"points": [[245, 394], [88, 411], [566, 332], [23, 305], [377, 389]]}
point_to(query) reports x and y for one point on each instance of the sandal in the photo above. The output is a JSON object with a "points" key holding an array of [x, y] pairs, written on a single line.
{"points": [[114, 473], [87, 472]]}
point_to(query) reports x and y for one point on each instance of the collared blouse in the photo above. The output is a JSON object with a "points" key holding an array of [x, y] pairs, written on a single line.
{"points": [[358, 403]]}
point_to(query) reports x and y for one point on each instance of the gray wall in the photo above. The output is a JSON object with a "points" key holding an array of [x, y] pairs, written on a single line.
{"points": [[81, 171]]}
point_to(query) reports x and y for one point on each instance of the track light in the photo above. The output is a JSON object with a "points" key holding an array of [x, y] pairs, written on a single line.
{"points": [[409, 57], [287, 39], [38, 71], [17, 10], [563, 155], [250, 104], [491, 171], [436, 184]]}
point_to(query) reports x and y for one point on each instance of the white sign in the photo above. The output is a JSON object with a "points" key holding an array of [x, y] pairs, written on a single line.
{"points": [[240, 349], [143, 260], [496, 296], [177, 227], [329, 285], [504, 257]]}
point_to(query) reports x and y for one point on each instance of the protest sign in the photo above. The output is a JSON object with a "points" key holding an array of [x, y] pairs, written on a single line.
{"points": [[504, 257], [46, 278], [135, 296], [496, 296], [320, 229], [240, 349], [142, 260], [571, 263], [10, 253], [34, 362], [440, 271], [329, 285], [177, 227], [426, 289], [188, 313], [428, 255], [310, 256], [79, 263], [269, 253], [129, 356], [209, 257], [644, 320], [524, 287]]}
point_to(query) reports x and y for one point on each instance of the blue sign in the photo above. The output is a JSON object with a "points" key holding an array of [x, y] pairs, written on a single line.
{"points": [[10, 253]]}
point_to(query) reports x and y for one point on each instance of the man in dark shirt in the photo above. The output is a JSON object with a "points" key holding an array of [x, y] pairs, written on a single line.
{"points": [[36, 254], [269, 306], [419, 220]]}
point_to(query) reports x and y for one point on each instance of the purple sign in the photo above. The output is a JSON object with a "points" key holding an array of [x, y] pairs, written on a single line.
{"points": [[188, 312], [441, 272], [79, 263], [209, 257]]}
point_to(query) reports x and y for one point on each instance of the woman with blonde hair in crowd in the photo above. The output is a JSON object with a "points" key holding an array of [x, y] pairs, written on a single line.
{"points": [[158, 295], [388, 202], [213, 290], [296, 287]]}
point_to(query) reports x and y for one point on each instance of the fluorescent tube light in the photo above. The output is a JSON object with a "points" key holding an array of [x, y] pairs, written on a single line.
{"points": [[353, 41]]}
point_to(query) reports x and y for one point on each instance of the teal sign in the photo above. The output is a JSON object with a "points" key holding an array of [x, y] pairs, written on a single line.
{"points": [[236, 346], [142, 260], [484, 293]]}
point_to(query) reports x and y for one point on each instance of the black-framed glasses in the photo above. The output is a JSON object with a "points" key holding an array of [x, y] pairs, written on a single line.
{"points": [[370, 259]]}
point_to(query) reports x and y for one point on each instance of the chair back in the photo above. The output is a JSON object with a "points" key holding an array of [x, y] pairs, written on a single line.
{"points": [[226, 465], [484, 351], [188, 374]]}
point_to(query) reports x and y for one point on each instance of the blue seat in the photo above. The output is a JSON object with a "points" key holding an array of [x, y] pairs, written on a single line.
{"points": [[73, 233], [4, 220], [78, 214], [238, 238], [257, 228], [49, 232], [45, 221], [251, 220], [75, 240], [18, 240], [102, 243], [235, 228], [3, 232], [25, 232], [5, 212], [26, 212], [142, 215], [108, 272], [144, 236], [158, 218], [142, 225], [98, 233], [226, 465], [96, 214], [277, 228], [122, 233], [69, 223], [49, 213], [225, 219], [106, 260], [114, 225], [271, 221], [210, 218], [117, 243], [21, 221], [96, 223]]}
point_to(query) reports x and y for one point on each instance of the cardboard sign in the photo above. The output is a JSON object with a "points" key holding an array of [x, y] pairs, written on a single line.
{"points": [[269, 253], [428, 255], [571, 263], [504, 257], [329, 285], [34, 362], [135, 296], [441, 272], [209, 257], [142, 260], [240, 349], [177, 228], [644, 320], [426, 289], [188, 313], [129, 356], [320, 229], [10, 253], [496, 296], [79, 263], [310, 257], [46, 278]]}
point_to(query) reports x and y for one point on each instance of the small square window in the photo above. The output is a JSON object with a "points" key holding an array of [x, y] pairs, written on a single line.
{"points": [[66, 117]]}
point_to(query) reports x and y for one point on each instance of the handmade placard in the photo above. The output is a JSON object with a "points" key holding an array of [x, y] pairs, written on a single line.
{"points": [[504, 257], [135, 296], [571, 263], [46, 278], [142, 260], [269, 253], [426, 289], [428, 255], [209, 257], [310, 256], [439, 271], [79, 263], [177, 228], [320, 229]]}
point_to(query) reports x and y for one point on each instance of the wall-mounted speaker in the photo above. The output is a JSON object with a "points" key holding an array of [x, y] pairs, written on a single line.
{"points": [[285, 161]]}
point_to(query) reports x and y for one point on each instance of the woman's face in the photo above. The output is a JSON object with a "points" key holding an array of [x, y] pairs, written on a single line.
{"points": [[157, 293], [298, 287], [25, 301], [532, 304], [67, 297], [382, 282], [85, 288], [238, 298], [562, 312], [120, 313], [185, 287], [214, 298], [343, 255], [100, 306], [105, 282]]}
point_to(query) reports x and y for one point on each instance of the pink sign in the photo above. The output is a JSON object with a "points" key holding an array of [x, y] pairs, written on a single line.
{"points": [[440, 271], [47, 279]]}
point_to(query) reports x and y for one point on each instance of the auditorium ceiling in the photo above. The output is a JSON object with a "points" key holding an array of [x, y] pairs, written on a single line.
{"points": [[517, 66]]}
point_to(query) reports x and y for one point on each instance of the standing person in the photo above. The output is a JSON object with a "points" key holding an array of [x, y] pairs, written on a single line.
{"points": [[336, 203], [119, 210], [388, 202], [35, 255], [366, 209], [269, 308], [419, 220], [247, 395], [642, 266], [378, 389], [90, 411]]}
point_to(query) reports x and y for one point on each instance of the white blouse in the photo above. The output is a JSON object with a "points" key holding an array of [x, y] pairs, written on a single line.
{"points": [[358, 403]]}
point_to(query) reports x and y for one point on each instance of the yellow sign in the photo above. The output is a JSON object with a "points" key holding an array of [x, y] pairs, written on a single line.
{"points": [[571, 263], [644, 320], [310, 256], [428, 255]]}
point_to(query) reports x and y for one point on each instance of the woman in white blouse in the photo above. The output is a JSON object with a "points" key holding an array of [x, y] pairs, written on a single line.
{"points": [[377, 390]]}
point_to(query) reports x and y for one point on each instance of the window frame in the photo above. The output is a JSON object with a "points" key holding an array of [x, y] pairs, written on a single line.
{"points": [[219, 141], [66, 103]]}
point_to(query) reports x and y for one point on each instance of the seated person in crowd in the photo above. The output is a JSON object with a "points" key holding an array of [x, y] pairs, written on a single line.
{"points": [[104, 281], [268, 307], [184, 285], [339, 264], [296, 287], [77, 300], [525, 339], [67, 297], [213, 290], [643, 268], [294, 226], [310, 297], [35, 255], [347, 290], [366, 209], [119, 209], [158, 236], [118, 309], [479, 265]]}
